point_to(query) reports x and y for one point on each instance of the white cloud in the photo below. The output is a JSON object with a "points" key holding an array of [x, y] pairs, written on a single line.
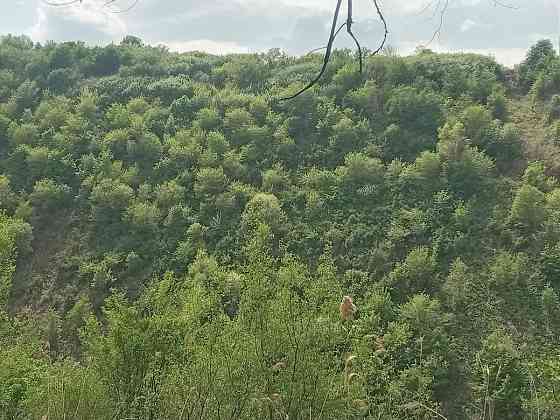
{"points": [[507, 56], [225, 26], [470, 2], [97, 15], [467, 25], [94, 17], [38, 32], [363, 8], [315, 5], [534, 37]]}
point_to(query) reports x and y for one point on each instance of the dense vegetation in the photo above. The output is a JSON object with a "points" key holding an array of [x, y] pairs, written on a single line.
{"points": [[175, 241]]}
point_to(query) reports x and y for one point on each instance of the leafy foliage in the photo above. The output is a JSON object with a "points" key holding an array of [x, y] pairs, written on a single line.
{"points": [[175, 242]]}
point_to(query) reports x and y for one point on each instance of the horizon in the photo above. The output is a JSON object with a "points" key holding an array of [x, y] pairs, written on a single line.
{"points": [[388, 47], [296, 27]]}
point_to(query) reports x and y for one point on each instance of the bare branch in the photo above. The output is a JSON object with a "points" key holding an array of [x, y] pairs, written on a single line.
{"points": [[324, 47], [327, 55], [385, 26], [427, 7], [507, 6], [349, 23], [441, 8], [437, 32], [107, 3], [126, 9], [61, 4], [334, 33]]}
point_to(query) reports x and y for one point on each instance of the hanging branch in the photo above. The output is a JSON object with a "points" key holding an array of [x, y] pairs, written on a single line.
{"points": [[334, 33], [127, 9], [349, 23], [327, 54], [437, 32], [61, 4], [385, 27], [441, 6], [107, 3], [383, 40], [322, 48]]}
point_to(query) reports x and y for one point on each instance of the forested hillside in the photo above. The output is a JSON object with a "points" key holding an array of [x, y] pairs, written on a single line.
{"points": [[176, 240]]}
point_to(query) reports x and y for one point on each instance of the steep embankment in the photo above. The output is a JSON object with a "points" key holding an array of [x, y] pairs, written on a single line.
{"points": [[530, 118]]}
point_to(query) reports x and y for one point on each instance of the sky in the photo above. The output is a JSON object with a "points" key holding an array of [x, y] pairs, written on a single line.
{"points": [[295, 26]]}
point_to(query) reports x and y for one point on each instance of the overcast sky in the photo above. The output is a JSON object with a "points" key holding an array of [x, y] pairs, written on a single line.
{"points": [[223, 26]]}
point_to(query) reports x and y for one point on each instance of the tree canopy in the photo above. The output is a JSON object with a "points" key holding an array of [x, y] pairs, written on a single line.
{"points": [[176, 242]]}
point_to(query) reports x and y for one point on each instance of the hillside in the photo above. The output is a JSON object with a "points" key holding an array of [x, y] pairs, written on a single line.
{"points": [[176, 240]]}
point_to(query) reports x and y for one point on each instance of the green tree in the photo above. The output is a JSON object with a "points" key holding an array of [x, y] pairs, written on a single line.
{"points": [[264, 209], [535, 61], [500, 380], [527, 208], [48, 197]]}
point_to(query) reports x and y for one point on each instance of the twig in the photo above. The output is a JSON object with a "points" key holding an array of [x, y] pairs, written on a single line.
{"points": [[437, 32], [385, 26], [327, 55], [349, 23], [441, 416], [107, 3], [323, 47]]}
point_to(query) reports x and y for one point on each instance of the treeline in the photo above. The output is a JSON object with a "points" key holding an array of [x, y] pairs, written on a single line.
{"points": [[175, 240]]}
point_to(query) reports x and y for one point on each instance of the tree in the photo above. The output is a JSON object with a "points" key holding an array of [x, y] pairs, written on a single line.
{"points": [[109, 199], [536, 60], [7, 196], [15, 238], [132, 41], [501, 382], [106, 61], [7, 261], [193, 238], [210, 182], [415, 274], [417, 111], [477, 122], [264, 209], [208, 119], [25, 97], [61, 80], [48, 197], [554, 108], [360, 170], [527, 208], [497, 104], [145, 150]]}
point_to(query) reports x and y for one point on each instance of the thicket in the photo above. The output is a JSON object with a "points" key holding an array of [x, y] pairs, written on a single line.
{"points": [[175, 241]]}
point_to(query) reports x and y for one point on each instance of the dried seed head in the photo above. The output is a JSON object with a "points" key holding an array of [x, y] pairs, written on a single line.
{"points": [[275, 397], [347, 308], [351, 377], [348, 362], [379, 345], [360, 404], [277, 367]]}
